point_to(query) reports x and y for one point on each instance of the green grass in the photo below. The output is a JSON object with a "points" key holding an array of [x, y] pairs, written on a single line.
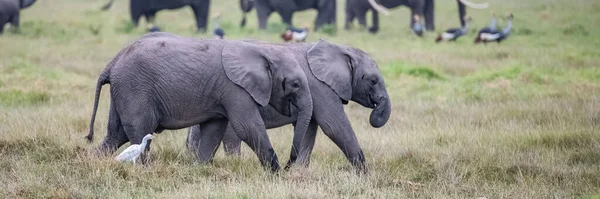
{"points": [[518, 119]]}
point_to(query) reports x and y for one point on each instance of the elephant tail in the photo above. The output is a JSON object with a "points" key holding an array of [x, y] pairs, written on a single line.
{"points": [[103, 79], [246, 6], [108, 5]]}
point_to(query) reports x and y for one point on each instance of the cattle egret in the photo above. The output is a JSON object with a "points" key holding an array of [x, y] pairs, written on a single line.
{"points": [[132, 152]]}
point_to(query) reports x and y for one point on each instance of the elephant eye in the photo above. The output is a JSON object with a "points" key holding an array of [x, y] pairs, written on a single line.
{"points": [[296, 85], [373, 82]]}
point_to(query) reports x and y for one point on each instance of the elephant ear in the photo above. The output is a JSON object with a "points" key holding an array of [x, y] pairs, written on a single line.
{"points": [[331, 65], [248, 68]]}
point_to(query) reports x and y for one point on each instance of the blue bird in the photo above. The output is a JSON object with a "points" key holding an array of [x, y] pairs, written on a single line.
{"points": [[491, 35]]}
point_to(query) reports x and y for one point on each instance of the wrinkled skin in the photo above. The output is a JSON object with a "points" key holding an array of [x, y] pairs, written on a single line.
{"points": [[9, 12], [326, 10], [149, 8], [336, 74], [163, 81], [425, 8]]}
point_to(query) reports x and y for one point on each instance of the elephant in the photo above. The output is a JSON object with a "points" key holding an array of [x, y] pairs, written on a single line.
{"points": [[336, 74], [326, 10], [149, 8], [9, 12], [163, 82], [421, 8]]}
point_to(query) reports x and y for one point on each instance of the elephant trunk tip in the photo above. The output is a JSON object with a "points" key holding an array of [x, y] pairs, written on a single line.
{"points": [[90, 137]]}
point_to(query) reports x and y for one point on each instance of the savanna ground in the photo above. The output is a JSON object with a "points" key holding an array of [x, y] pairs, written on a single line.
{"points": [[515, 120]]}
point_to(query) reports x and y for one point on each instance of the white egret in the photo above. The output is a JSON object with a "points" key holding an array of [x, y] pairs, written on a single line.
{"points": [[132, 152]]}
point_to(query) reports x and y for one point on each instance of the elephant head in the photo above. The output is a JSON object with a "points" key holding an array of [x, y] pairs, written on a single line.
{"points": [[272, 76], [353, 75], [26, 3]]}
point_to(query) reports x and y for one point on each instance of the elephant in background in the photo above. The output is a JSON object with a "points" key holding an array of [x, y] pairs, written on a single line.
{"points": [[163, 81], [326, 10], [10, 12], [422, 8], [149, 8], [336, 74]]}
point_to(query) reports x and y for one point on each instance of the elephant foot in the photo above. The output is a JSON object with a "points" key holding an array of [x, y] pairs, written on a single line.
{"points": [[347, 26], [201, 30], [374, 30]]}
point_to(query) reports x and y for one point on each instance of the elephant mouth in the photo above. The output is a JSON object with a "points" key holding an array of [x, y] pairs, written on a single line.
{"points": [[372, 103]]}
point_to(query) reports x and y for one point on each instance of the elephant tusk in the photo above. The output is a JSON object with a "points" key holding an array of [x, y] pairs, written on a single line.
{"points": [[379, 8], [474, 5]]}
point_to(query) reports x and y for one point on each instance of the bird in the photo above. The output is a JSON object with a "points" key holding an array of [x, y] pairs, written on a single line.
{"points": [[418, 26], [492, 26], [218, 33], [132, 152], [491, 35], [153, 28], [453, 33], [295, 34]]}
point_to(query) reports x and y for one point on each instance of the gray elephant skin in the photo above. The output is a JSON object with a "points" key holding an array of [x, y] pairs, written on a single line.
{"points": [[163, 81], [149, 8], [335, 74], [326, 10], [425, 8], [10, 12]]}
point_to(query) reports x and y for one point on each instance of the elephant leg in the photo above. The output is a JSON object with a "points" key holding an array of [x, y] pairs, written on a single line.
{"points": [[362, 20], [429, 15], [250, 127], [349, 17], [336, 126], [286, 16], [263, 13], [375, 26], [193, 138], [210, 139], [150, 17], [137, 120], [201, 14], [302, 146], [115, 135], [231, 142], [14, 22]]}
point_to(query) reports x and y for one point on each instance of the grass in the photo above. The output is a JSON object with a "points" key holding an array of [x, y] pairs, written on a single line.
{"points": [[518, 119]]}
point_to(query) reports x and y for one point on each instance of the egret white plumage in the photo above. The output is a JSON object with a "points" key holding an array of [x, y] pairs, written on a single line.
{"points": [[132, 152], [454, 33]]}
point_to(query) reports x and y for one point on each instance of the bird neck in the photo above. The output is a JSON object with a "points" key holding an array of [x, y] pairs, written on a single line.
{"points": [[144, 143], [493, 23], [506, 30]]}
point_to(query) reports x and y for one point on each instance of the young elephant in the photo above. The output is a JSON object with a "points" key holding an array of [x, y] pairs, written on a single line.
{"points": [[163, 81], [335, 74], [9, 12]]}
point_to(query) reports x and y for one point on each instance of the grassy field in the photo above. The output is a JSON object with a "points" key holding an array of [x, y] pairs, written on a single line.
{"points": [[515, 120]]}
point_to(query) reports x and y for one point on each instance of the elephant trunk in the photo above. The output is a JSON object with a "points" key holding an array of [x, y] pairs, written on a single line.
{"points": [[305, 110], [381, 112], [26, 3]]}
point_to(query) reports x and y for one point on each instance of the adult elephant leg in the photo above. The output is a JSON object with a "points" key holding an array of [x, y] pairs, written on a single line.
{"points": [[375, 27], [14, 22], [336, 126], [302, 146], [349, 16], [362, 19], [201, 14], [429, 13], [193, 138], [231, 142], [210, 139], [286, 16], [263, 12], [150, 17], [115, 135]]}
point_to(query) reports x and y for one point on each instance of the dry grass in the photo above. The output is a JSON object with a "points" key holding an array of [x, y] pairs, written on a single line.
{"points": [[516, 120]]}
